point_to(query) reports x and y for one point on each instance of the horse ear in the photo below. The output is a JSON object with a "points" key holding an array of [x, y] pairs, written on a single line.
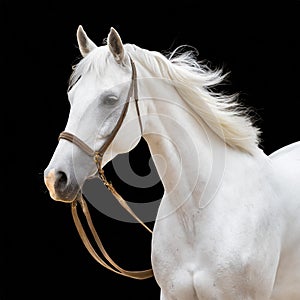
{"points": [[85, 44], [115, 45]]}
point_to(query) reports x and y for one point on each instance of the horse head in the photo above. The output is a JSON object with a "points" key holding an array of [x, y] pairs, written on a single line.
{"points": [[99, 88]]}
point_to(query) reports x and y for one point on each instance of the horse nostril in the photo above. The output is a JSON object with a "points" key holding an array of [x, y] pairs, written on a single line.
{"points": [[61, 180], [61, 185]]}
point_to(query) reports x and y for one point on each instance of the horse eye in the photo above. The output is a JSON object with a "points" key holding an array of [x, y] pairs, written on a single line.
{"points": [[110, 99]]}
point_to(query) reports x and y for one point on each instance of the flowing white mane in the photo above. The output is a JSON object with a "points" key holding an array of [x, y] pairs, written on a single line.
{"points": [[193, 81]]}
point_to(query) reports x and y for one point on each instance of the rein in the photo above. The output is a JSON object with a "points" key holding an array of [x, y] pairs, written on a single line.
{"points": [[98, 156]]}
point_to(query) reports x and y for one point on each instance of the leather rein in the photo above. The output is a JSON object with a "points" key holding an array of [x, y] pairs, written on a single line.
{"points": [[98, 156]]}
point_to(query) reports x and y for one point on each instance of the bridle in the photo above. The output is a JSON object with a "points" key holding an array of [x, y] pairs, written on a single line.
{"points": [[98, 156]]}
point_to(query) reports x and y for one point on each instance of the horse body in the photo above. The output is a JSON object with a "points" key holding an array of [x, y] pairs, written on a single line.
{"points": [[214, 239], [240, 246], [227, 226]]}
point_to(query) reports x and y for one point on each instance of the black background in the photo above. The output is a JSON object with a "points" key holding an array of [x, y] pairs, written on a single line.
{"points": [[43, 255]]}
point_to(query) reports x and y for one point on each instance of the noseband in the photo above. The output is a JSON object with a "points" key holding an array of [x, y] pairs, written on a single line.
{"points": [[98, 156]]}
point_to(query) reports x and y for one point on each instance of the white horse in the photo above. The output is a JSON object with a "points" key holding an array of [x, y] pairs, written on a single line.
{"points": [[228, 225]]}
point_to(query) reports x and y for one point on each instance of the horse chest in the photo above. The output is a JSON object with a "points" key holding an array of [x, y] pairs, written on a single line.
{"points": [[185, 245], [205, 251]]}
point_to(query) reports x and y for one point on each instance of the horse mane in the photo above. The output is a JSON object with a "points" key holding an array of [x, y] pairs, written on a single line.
{"points": [[194, 81]]}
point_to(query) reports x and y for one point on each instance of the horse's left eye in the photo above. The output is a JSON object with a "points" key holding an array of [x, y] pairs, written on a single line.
{"points": [[110, 99]]}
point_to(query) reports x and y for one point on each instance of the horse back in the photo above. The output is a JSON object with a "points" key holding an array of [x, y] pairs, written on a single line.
{"points": [[286, 167], [285, 164], [291, 152]]}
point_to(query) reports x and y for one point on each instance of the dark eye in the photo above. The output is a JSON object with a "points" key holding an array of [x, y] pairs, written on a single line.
{"points": [[110, 99]]}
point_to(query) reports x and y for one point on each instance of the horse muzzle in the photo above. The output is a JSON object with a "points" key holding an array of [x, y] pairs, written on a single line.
{"points": [[61, 188]]}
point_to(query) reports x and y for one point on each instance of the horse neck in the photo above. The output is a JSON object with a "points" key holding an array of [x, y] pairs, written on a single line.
{"points": [[189, 156]]}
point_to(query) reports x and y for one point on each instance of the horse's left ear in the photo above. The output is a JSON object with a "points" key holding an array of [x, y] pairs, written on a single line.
{"points": [[115, 45], [85, 44]]}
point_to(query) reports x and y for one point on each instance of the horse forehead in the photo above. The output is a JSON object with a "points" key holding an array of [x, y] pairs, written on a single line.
{"points": [[112, 77], [91, 85]]}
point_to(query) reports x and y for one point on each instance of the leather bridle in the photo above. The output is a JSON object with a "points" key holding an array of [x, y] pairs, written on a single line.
{"points": [[98, 156]]}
